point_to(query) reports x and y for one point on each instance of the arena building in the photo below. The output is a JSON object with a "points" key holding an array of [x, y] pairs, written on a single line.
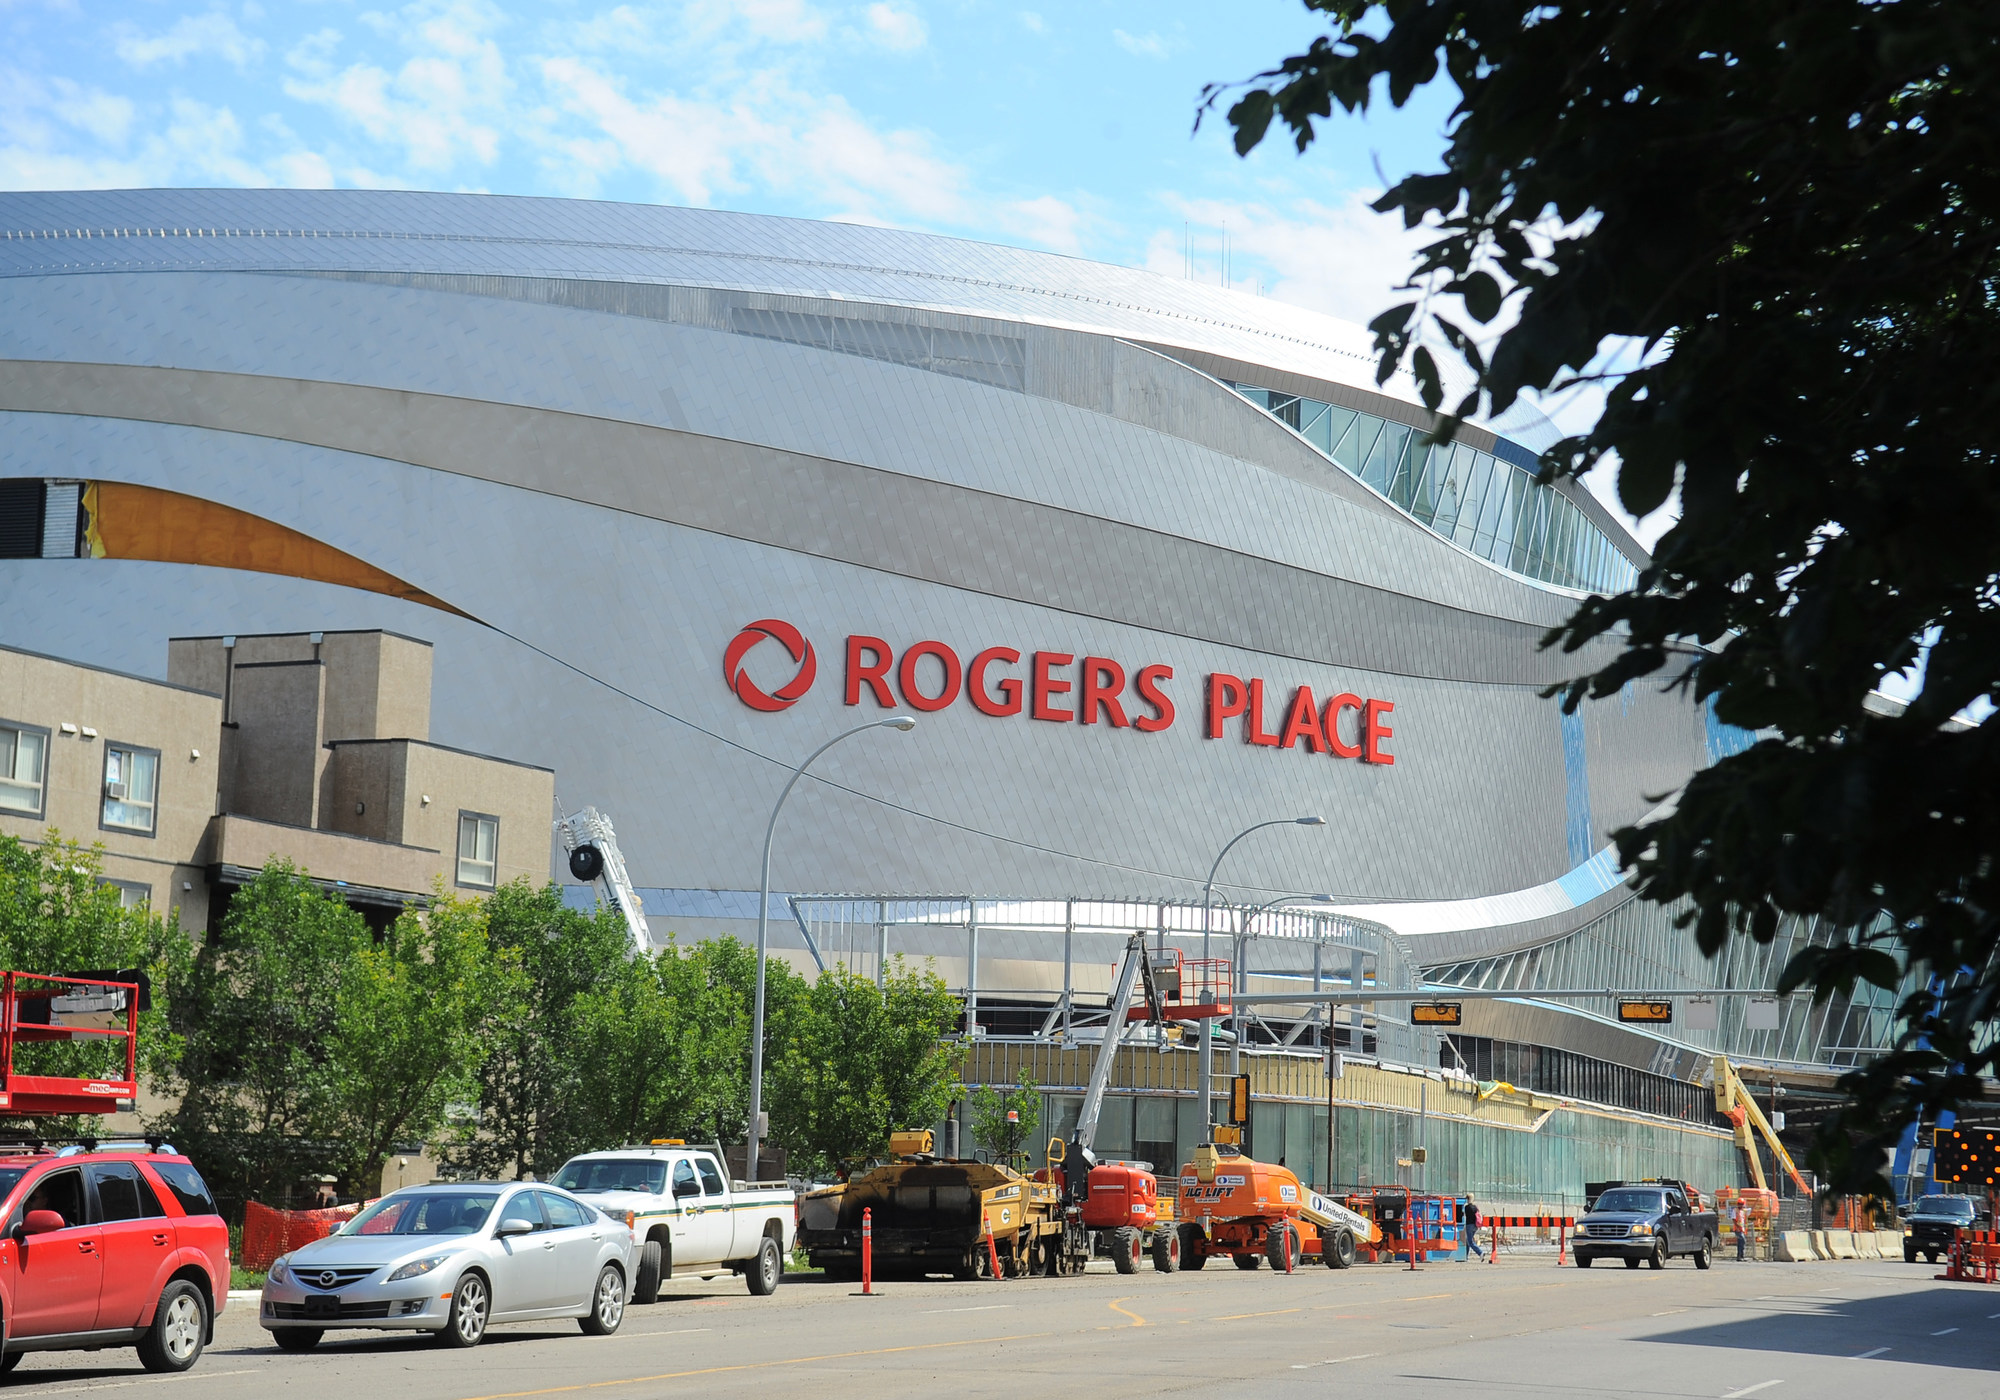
{"points": [[677, 495]]}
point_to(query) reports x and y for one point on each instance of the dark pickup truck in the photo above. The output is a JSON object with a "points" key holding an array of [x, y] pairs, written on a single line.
{"points": [[1645, 1224], [1934, 1222]]}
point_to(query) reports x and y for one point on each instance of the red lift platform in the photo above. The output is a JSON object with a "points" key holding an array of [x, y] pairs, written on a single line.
{"points": [[91, 1007], [1188, 989]]}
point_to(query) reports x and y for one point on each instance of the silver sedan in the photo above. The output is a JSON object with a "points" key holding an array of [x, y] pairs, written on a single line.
{"points": [[451, 1260]]}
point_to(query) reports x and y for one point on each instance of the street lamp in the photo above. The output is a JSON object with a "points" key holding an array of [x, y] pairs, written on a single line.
{"points": [[904, 723], [1241, 944], [1207, 1079]]}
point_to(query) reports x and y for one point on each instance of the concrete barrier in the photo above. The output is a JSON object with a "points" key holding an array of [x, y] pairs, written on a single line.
{"points": [[1793, 1247], [1820, 1248], [1840, 1243], [1865, 1246], [1890, 1242]]}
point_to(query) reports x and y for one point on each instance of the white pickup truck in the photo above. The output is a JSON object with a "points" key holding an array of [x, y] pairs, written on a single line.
{"points": [[693, 1220]]}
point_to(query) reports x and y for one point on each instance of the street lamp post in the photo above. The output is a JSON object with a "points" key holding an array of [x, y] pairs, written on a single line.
{"points": [[1241, 946], [1207, 1077], [902, 722]]}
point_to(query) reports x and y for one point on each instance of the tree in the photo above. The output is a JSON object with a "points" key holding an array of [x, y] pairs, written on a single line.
{"points": [[413, 1018], [993, 1130], [532, 1112], [861, 1061], [664, 1043], [1785, 210], [56, 916], [255, 1013]]}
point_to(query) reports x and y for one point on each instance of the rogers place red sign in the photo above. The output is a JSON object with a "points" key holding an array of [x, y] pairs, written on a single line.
{"points": [[1060, 688]]}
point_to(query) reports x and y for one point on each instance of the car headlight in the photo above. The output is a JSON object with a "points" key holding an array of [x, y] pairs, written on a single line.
{"points": [[1642, 1229], [418, 1266], [278, 1273]]}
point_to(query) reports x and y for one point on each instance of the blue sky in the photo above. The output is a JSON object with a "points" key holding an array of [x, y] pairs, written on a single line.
{"points": [[1058, 126]]}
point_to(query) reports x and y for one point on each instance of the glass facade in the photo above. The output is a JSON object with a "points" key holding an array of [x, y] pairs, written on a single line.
{"points": [[1487, 504]]}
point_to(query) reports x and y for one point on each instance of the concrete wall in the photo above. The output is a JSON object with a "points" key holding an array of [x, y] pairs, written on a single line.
{"points": [[398, 790]]}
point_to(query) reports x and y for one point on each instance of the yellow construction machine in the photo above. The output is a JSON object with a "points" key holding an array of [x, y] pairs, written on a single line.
{"points": [[1733, 1101]]}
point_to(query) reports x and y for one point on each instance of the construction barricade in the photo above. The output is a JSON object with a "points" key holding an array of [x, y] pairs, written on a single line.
{"points": [[1541, 1224], [269, 1233], [1974, 1257]]}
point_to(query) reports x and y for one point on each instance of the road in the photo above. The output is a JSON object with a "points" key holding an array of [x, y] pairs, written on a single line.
{"points": [[1524, 1327]]}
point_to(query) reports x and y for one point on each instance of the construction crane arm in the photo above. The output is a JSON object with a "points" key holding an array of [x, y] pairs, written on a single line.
{"points": [[1135, 966], [1733, 1101]]}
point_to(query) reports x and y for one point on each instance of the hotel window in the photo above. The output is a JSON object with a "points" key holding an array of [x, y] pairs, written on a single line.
{"points": [[24, 753], [131, 785], [478, 849]]}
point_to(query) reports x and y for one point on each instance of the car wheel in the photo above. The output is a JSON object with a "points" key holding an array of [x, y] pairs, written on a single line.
{"points": [[1909, 1254], [1125, 1249], [1338, 1249], [1658, 1258], [1192, 1256], [296, 1338], [1282, 1247], [180, 1326], [1632, 1263], [1703, 1255], [10, 1361], [646, 1279], [607, 1303], [766, 1269], [471, 1305], [1584, 1261], [1930, 1256]]}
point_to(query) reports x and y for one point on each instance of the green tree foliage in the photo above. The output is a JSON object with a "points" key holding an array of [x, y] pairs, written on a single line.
{"points": [[532, 1112], [1789, 208], [861, 1061], [256, 1011], [991, 1128], [414, 1014], [56, 917], [664, 1042]]}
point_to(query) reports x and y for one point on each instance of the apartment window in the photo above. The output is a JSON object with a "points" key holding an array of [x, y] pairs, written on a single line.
{"points": [[478, 849], [131, 894], [131, 785], [24, 754]]}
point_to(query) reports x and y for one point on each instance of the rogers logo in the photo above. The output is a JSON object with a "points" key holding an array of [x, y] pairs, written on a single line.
{"points": [[795, 645]]}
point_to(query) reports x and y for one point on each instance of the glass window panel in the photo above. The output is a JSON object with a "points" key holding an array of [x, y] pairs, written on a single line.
{"points": [[1260, 397], [1481, 474], [1354, 449], [131, 781], [1342, 424], [1286, 409], [21, 755], [1403, 479], [1380, 463], [1318, 424], [478, 846]]}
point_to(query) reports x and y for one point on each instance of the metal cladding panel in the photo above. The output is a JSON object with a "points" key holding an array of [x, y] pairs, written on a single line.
{"points": [[617, 496]]}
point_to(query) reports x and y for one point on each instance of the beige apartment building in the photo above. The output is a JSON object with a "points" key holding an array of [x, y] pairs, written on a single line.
{"points": [[312, 746]]}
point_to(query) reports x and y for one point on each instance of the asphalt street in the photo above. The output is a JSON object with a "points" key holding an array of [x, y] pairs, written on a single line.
{"points": [[1522, 1327]]}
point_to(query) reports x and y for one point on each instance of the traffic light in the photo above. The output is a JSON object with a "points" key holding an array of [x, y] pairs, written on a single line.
{"points": [[1968, 1156]]}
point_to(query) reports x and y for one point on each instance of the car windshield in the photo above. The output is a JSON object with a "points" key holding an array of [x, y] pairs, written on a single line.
{"points": [[1647, 1201], [614, 1174], [425, 1213], [1946, 1205], [8, 1176]]}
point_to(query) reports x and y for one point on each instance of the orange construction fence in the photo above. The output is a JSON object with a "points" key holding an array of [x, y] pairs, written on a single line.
{"points": [[269, 1233]]}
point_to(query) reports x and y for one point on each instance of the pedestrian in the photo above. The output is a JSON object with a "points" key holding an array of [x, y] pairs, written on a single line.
{"points": [[1739, 1217], [1472, 1228]]}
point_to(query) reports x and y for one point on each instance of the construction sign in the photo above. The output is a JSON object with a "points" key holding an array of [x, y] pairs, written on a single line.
{"points": [[1658, 1013], [1239, 1100], [1969, 1156], [1437, 1013]]}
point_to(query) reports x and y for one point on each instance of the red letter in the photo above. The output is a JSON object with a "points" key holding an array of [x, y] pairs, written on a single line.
{"points": [[906, 676], [1148, 686], [1253, 719], [1047, 685], [1303, 723], [1226, 698], [1103, 680], [870, 674], [1334, 709], [1009, 702], [1373, 732]]}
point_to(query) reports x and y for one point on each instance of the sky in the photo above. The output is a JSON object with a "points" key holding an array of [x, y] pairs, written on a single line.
{"points": [[1063, 127]]}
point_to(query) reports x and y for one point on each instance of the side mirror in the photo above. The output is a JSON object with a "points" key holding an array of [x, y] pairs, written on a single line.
{"points": [[686, 1188], [41, 1222], [514, 1225]]}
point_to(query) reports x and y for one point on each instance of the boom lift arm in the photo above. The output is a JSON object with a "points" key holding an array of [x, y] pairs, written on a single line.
{"points": [[1136, 971], [594, 858], [1733, 1101]]}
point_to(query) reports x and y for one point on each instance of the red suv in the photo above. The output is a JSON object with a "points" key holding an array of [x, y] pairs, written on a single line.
{"points": [[115, 1246]]}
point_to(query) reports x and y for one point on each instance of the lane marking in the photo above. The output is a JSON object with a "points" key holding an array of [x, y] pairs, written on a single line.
{"points": [[1137, 1321], [1669, 1312], [1238, 1317], [1877, 1352], [984, 1307], [1336, 1360], [1750, 1390], [1945, 1332], [148, 1380], [678, 1332], [724, 1370]]}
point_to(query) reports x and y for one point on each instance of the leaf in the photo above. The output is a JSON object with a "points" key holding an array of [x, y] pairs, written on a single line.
{"points": [[1481, 294]]}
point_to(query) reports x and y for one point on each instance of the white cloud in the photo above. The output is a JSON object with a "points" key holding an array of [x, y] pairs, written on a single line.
{"points": [[1147, 45], [896, 29], [775, 21], [193, 35], [1032, 22]]}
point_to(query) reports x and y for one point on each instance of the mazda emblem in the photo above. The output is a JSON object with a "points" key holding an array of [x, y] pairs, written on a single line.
{"points": [[328, 1278]]}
